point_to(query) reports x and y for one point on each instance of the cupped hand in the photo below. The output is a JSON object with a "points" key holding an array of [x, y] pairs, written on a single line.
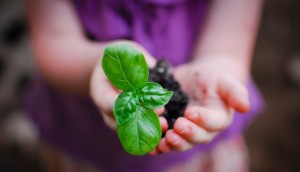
{"points": [[104, 94], [215, 90]]}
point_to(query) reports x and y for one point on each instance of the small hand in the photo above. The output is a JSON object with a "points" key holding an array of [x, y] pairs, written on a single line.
{"points": [[215, 93]]}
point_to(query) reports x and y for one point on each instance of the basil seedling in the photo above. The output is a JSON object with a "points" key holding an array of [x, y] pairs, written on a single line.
{"points": [[138, 126]]}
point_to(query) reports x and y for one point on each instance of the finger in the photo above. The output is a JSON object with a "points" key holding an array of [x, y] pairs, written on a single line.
{"points": [[105, 98], [102, 92], [211, 120], [176, 142], [234, 93], [162, 120], [163, 146], [192, 132], [109, 121], [151, 61], [163, 124], [159, 111], [154, 152]]}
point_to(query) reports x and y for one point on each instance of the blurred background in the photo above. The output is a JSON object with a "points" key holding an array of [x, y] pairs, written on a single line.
{"points": [[273, 138]]}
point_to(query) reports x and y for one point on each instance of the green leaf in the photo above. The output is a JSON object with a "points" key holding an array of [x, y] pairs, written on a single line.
{"points": [[125, 67], [141, 133], [153, 95], [138, 125], [125, 106]]}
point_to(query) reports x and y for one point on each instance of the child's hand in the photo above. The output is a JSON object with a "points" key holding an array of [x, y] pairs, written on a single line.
{"points": [[104, 94], [215, 92]]}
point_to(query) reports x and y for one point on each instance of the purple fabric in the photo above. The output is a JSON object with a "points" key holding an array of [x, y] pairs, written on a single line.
{"points": [[167, 28]]}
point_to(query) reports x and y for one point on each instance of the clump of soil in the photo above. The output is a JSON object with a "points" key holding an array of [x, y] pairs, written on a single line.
{"points": [[162, 74]]}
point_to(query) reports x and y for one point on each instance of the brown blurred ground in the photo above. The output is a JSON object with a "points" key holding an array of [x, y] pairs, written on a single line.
{"points": [[273, 138]]}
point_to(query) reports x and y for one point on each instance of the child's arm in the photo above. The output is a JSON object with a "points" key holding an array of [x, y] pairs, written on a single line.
{"points": [[215, 78], [230, 33], [62, 53], [66, 58]]}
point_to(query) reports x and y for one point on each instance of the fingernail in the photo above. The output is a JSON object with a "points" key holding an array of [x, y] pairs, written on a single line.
{"points": [[174, 139], [185, 130], [196, 117], [193, 116]]}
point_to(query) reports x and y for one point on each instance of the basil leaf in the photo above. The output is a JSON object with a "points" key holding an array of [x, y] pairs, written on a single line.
{"points": [[141, 133], [125, 106], [153, 95], [138, 125], [125, 67]]}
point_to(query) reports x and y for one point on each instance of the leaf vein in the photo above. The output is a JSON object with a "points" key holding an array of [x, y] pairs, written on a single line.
{"points": [[122, 68]]}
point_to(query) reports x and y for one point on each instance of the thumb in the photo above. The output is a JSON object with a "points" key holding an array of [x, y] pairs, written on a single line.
{"points": [[234, 93], [102, 92]]}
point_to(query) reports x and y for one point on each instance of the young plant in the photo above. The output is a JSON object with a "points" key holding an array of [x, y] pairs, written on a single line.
{"points": [[138, 126]]}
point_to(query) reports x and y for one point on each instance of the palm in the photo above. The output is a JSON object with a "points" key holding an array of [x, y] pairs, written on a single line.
{"points": [[214, 94]]}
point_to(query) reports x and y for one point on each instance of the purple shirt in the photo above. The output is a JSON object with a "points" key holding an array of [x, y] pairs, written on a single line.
{"points": [[166, 28]]}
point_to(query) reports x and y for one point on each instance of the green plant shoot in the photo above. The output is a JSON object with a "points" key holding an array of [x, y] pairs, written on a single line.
{"points": [[138, 126]]}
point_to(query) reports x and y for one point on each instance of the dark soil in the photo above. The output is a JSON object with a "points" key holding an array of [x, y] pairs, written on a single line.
{"points": [[162, 74]]}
